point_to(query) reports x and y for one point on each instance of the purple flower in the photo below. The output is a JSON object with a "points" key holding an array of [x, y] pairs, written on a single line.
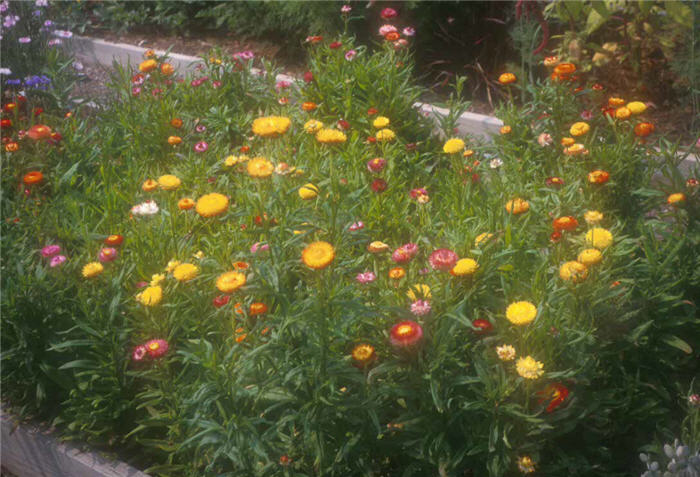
{"points": [[41, 3], [10, 21], [201, 146], [346, 9], [200, 128], [424, 271], [366, 277], [350, 55], [4, 6], [48, 23], [57, 260], [420, 307], [24, 40], [63, 33], [55, 41], [50, 251], [409, 31], [357, 226]]}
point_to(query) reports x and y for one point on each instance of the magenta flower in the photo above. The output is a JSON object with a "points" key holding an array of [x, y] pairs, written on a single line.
{"points": [[141, 284], [259, 247], [409, 31], [376, 165], [357, 226], [244, 55], [350, 55], [346, 9], [25, 40], [443, 259], [57, 260], [415, 193], [135, 90], [216, 84], [50, 251], [200, 128], [107, 254], [366, 277], [156, 348], [388, 13], [586, 114], [201, 146], [282, 84], [420, 307], [139, 353]]}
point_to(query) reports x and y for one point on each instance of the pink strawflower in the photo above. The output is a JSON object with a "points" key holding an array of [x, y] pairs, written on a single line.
{"points": [[350, 55], [259, 247], [357, 226], [107, 254], [139, 353], [282, 84], [216, 84], [443, 259], [346, 9], [244, 55], [694, 400], [376, 165], [586, 115], [201, 146], [404, 253], [141, 284], [308, 77], [388, 13], [417, 192], [200, 128], [384, 29], [156, 348], [420, 307], [57, 260], [366, 277], [136, 91], [50, 251], [409, 31]]}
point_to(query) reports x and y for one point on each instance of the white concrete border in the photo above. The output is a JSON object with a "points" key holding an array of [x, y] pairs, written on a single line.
{"points": [[27, 451]]}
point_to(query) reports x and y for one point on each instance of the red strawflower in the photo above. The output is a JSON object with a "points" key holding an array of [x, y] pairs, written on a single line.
{"points": [[556, 393], [156, 348], [114, 240], [406, 334], [482, 326], [379, 185], [443, 259], [567, 223], [221, 300], [335, 45], [388, 13], [308, 77], [343, 124]]}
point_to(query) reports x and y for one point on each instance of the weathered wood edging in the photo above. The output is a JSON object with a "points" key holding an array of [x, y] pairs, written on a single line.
{"points": [[28, 451]]}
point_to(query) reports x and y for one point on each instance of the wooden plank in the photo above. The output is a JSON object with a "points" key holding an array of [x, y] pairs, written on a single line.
{"points": [[27, 451]]}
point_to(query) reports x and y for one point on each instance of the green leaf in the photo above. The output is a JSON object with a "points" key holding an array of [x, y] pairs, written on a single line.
{"points": [[595, 20], [676, 342]]}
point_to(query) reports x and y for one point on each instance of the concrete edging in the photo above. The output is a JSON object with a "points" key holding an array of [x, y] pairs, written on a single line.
{"points": [[28, 451]]}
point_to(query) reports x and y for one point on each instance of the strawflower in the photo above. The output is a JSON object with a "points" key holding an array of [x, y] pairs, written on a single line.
{"points": [[380, 122], [418, 291], [169, 182], [517, 206], [505, 352], [271, 126], [260, 167], [521, 312], [406, 334], [420, 307], [599, 237], [464, 267], [443, 259], [107, 254], [507, 78], [528, 368], [156, 348], [57, 260], [308, 191], [366, 277], [185, 272], [385, 135], [590, 256], [318, 255], [92, 269], [50, 250], [363, 355], [330, 136], [453, 146], [573, 271], [525, 465], [556, 393], [151, 296], [211, 205]]}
